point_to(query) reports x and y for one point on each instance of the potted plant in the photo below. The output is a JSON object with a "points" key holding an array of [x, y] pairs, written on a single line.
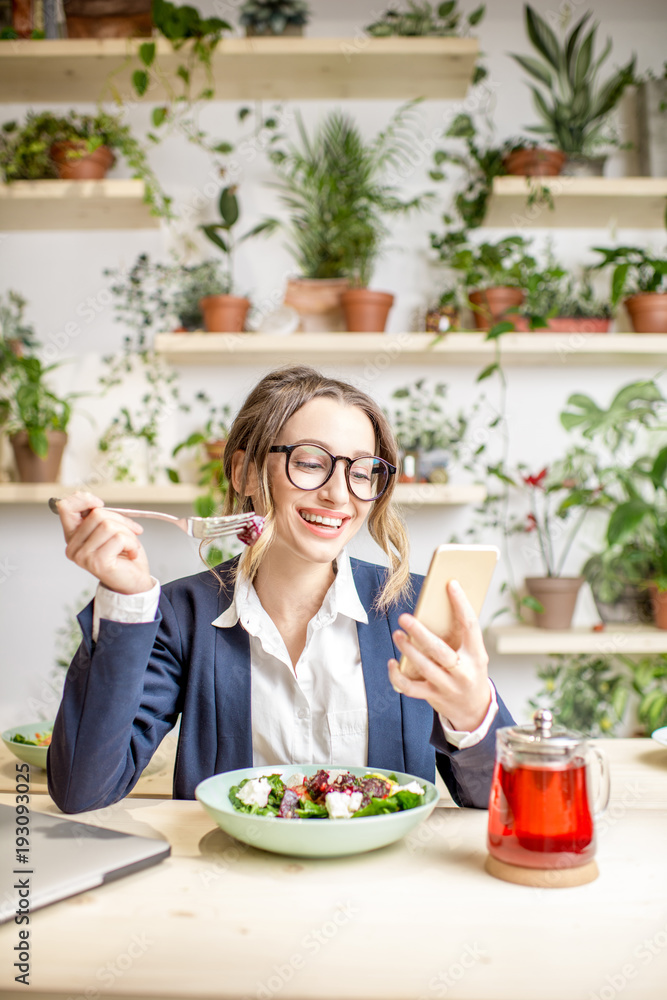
{"points": [[429, 438], [209, 441], [585, 692], [75, 147], [574, 107], [617, 576], [558, 302], [223, 311], [639, 278], [494, 274], [651, 134], [528, 158], [442, 19], [642, 520], [274, 17], [559, 500], [632, 491], [33, 416], [336, 187]]}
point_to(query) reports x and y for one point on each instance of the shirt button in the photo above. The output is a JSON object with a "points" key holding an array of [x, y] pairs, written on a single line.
{"points": [[302, 713]]}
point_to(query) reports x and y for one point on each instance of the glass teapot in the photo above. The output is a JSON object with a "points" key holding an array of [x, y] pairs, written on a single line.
{"points": [[541, 814]]}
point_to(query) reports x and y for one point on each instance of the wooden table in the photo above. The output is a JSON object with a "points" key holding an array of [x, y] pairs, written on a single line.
{"points": [[418, 920]]}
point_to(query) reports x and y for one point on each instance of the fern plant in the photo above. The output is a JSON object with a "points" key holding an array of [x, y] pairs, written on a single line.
{"points": [[339, 189]]}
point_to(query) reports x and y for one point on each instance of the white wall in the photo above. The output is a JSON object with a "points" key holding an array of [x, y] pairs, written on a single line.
{"points": [[61, 275]]}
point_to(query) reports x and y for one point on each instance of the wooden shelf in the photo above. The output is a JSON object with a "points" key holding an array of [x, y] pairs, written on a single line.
{"points": [[523, 640], [412, 496], [64, 70], [107, 204], [376, 350], [638, 202]]}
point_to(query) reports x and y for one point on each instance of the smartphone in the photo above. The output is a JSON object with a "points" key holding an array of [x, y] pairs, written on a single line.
{"points": [[472, 566]]}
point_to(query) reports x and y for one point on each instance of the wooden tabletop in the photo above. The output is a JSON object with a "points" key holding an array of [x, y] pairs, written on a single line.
{"points": [[417, 920]]}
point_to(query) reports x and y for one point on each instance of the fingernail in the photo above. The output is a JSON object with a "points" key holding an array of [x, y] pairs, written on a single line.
{"points": [[455, 585], [397, 690]]}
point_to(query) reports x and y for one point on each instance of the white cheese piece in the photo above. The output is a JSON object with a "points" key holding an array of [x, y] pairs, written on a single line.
{"points": [[294, 780], [412, 787], [335, 774], [255, 793], [340, 805]]}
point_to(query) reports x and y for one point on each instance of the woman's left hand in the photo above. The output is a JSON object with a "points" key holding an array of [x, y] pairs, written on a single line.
{"points": [[454, 676]]}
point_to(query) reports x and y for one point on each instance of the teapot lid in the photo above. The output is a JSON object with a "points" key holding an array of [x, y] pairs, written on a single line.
{"points": [[543, 736]]}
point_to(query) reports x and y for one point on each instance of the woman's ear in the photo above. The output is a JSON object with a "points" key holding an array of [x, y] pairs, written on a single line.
{"points": [[237, 475]]}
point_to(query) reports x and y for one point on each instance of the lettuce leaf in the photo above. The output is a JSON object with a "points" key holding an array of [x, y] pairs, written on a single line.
{"points": [[377, 807], [311, 810]]}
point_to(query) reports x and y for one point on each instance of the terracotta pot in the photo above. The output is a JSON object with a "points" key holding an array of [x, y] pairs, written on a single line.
{"points": [[215, 449], [659, 604], [366, 311], [88, 168], [565, 324], [318, 302], [32, 468], [108, 18], [648, 312], [224, 313], [558, 596], [493, 304], [535, 162]]}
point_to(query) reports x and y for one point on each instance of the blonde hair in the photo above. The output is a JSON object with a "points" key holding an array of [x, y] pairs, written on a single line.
{"points": [[261, 418]]}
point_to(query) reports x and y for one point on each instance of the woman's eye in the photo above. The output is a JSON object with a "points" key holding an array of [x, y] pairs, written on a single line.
{"points": [[360, 475], [309, 466]]}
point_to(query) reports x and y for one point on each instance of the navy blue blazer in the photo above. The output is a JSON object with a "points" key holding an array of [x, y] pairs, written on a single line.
{"points": [[124, 693]]}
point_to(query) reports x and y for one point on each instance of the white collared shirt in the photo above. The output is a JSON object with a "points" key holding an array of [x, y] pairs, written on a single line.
{"points": [[312, 713]]}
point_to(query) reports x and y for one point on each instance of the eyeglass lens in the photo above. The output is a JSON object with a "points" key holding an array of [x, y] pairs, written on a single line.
{"points": [[309, 467]]}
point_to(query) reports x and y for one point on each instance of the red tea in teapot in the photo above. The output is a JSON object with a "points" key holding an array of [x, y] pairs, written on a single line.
{"points": [[539, 817]]}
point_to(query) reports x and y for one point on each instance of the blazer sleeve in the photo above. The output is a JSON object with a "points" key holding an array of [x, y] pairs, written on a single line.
{"points": [[122, 695], [468, 773]]}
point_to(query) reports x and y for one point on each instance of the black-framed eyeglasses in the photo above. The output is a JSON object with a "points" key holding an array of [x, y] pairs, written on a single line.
{"points": [[309, 467]]}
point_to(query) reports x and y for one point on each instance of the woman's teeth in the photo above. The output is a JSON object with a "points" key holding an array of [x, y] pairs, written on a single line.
{"points": [[332, 522]]}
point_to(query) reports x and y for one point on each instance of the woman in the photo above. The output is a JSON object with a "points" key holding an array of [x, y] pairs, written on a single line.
{"points": [[285, 655]]}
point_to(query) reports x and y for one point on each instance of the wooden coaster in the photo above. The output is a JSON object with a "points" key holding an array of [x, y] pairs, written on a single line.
{"points": [[544, 878]]}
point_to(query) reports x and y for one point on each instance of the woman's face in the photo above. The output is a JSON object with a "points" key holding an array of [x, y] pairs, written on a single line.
{"points": [[342, 430]]}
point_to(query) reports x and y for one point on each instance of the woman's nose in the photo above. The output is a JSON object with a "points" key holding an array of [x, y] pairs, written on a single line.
{"points": [[336, 488]]}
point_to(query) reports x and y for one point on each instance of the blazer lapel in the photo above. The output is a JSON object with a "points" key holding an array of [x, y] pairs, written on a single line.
{"points": [[385, 737]]}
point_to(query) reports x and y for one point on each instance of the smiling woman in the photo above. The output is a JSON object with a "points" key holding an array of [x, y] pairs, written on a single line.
{"points": [[291, 657]]}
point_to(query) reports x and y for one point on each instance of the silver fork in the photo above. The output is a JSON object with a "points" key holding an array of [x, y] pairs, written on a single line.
{"points": [[203, 528]]}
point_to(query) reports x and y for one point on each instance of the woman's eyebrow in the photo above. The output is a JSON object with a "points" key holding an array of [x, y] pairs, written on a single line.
{"points": [[359, 453]]}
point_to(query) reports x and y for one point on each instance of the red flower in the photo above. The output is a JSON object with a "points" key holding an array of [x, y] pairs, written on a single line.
{"points": [[531, 522], [536, 480]]}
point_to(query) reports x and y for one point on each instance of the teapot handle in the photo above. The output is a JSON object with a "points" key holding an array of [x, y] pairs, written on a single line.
{"points": [[604, 790]]}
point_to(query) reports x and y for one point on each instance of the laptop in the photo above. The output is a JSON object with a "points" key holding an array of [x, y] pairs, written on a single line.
{"points": [[64, 858]]}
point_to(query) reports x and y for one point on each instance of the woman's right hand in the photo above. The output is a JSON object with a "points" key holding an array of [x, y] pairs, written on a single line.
{"points": [[105, 544]]}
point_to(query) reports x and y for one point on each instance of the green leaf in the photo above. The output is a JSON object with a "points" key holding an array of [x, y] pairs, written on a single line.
{"points": [[311, 810], [243, 113], [445, 9], [377, 807], [625, 520], [543, 38], [476, 15], [618, 282], [212, 233], [158, 116], [147, 53], [38, 441], [140, 81], [535, 68], [173, 476], [487, 372], [223, 147], [184, 74], [533, 604], [229, 206], [659, 470]]}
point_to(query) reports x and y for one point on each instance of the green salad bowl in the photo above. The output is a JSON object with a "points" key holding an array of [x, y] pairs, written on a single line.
{"points": [[311, 838], [35, 756]]}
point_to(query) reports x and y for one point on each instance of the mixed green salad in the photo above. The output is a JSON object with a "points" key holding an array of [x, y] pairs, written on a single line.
{"points": [[40, 740], [332, 794]]}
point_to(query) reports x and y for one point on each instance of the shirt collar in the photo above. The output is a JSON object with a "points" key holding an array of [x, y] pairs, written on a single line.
{"points": [[341, 598]]}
